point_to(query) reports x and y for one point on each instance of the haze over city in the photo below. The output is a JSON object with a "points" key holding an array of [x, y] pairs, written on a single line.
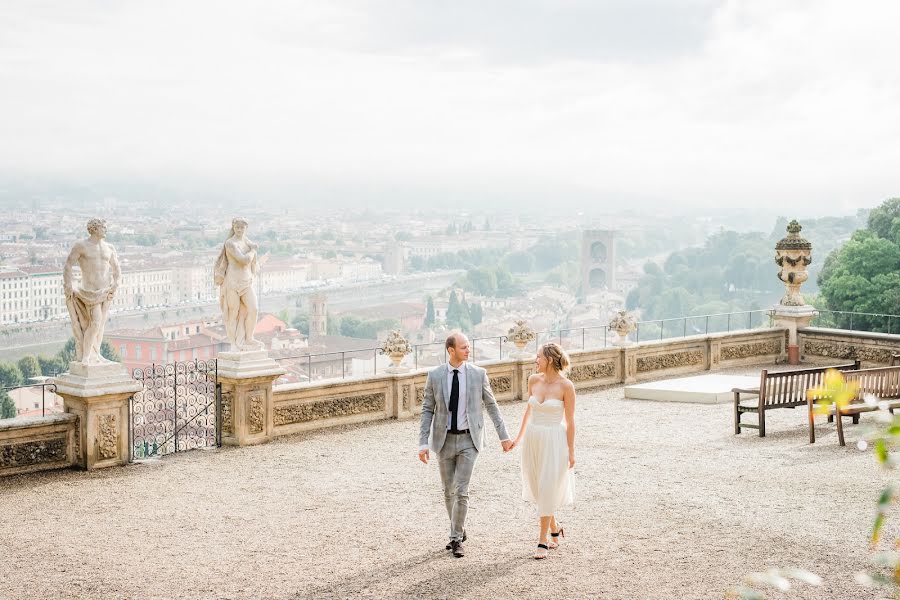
{"points": [[653, 105]]}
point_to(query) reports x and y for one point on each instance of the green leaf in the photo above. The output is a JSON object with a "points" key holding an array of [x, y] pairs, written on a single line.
{"points": [[876, 528], [881, 450]]}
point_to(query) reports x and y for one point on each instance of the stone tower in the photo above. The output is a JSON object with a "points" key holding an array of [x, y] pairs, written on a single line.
{"points": [[318, 319], [598, 261]]}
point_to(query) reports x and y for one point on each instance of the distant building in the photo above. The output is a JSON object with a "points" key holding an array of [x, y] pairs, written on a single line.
{"points": [[140, 348], [394, 258]]}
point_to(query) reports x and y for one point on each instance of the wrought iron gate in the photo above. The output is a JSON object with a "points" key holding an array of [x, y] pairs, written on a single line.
{"points": [[178, 409]]}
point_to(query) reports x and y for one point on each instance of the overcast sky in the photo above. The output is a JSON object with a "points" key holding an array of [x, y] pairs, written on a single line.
{"points": [[644, 102]]}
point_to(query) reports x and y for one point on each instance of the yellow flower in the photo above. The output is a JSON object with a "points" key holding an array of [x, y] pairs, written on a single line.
{"points": [[834, 390]]}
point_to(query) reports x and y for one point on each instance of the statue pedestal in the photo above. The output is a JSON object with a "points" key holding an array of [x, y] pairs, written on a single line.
{"points": [[247, 411], [793, 318], [98, 395]]}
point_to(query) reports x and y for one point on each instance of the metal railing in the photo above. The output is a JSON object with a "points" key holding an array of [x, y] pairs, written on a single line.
{"points": [[498, 347], [858, 321], [55, 407], [578, 338], [702, 324]]}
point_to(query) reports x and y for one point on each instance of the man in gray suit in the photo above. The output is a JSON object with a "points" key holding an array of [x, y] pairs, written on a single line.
{"points": [[451, 412]]}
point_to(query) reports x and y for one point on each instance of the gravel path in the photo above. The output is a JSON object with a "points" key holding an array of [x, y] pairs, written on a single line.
{"points": [[669, 504]]}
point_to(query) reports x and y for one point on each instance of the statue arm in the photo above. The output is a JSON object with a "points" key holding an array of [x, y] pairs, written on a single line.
{"points": [[74, 255], [115, 271], [235, 254]]}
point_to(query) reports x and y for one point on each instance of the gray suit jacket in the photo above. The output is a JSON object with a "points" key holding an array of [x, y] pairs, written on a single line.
{"points": [[436, 407]]}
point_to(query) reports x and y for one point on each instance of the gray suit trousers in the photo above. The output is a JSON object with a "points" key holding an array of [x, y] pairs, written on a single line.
{"points": [[457, 460]]}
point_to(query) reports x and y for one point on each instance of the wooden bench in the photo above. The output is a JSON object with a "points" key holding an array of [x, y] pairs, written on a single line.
{"points": [[786, 389], [883, 383]]}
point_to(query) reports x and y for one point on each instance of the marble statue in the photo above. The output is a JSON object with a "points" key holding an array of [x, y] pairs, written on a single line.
{"points": [[234, 273], [89, 301]]}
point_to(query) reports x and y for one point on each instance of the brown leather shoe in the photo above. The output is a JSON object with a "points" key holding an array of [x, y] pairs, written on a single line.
{"points": [[458, 550]]}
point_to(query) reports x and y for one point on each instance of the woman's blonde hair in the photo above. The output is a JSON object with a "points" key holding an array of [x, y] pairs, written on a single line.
{"points": [[556, 356]]}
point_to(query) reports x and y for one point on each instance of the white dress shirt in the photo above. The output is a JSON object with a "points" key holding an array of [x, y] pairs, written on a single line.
{"points": [[461, 421]]}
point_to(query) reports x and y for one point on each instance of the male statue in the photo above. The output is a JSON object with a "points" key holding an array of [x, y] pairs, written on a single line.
{"points": [[89, 302], [234, 272]]}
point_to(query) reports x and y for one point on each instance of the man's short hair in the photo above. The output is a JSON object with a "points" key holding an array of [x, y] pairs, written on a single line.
{"points": [[94, 224], [450, 341]]}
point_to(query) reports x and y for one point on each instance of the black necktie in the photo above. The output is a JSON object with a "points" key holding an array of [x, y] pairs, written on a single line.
{"points": [[454, 399]]}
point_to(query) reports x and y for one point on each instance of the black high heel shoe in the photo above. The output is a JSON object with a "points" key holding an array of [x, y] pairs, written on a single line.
{"points": [[541, 552], [554, 543]]}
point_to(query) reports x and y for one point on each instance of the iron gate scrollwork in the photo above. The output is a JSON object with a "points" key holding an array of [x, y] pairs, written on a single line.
{"points": [[178, 409]]}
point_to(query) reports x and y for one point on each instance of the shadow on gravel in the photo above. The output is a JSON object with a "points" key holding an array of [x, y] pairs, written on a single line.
{"points": [[431, 575]]}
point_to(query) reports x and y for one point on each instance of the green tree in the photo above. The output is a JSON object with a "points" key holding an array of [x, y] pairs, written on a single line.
{"points": [[352, 326], [519, 262], [7, 406], [429, 312], [51, 366], [332, 325], [477, 314], [454, 311], [67, 354], [300, 322], [29, 367], [10, 375], [884, 221], [863, 276]]}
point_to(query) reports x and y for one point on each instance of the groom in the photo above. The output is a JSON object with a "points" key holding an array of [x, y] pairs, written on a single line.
{"points": [[451, 411]]}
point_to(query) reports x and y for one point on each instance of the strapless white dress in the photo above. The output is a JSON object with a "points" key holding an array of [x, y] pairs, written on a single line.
{"points": [[546, 478]]}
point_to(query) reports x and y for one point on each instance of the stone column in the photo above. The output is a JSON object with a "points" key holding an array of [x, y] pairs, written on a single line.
{"points": [[523, 370], [793, 253], [247, 405], [793, 318], [98, 395], [629, 363]]}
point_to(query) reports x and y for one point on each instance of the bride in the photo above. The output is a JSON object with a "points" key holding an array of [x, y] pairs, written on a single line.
{"points": [[548, 446]]}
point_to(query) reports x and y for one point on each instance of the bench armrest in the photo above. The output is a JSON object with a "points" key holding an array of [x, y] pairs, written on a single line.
{"points": [[745, 391]]}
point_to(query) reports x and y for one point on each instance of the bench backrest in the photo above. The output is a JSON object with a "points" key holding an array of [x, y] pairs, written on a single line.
{"points": [[788, 388], [882, 382]]}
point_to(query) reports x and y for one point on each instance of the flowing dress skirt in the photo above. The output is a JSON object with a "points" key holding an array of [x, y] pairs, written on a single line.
{"points": [[546, 478]]}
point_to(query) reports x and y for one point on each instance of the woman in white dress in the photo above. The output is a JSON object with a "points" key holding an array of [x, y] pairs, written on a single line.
{"points": [[547, 437]]}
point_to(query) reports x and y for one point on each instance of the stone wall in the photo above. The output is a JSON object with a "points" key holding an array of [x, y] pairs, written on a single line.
{"points": [[305, 406], [30, 444], [872, 349]]}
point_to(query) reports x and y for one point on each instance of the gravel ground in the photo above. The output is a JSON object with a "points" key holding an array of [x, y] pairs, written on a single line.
{"points": [[669, 504]]}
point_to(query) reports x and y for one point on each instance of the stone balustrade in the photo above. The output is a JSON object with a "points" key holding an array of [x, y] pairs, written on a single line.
{"points": [[51, 442], [305, 406], [872, 349], [30, 444]]}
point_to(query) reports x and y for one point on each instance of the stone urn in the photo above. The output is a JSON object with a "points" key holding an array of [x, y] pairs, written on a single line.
{"points": [[520, 335], [793, 254], [396, 347], [623, 324]]}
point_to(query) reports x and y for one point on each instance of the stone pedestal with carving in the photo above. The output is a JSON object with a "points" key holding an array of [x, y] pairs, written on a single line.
{"points": [[521, 335], [247, 408], [793, 318], [98, 395]]}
